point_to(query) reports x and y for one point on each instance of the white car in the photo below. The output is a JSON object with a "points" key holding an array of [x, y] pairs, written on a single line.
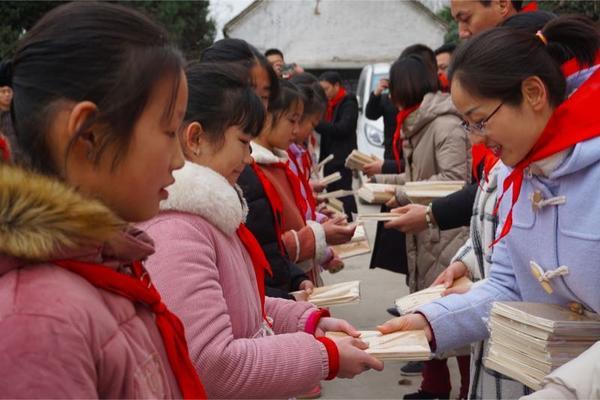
{"points": [[369, 133]]}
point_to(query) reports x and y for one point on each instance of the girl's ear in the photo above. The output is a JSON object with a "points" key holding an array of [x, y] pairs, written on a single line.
{"points": [[534, 93], [87, 141], [193, 139]]}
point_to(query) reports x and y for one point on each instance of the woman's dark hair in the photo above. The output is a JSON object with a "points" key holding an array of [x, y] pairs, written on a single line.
{"points": [[332, 77], [529, 21], [425, 53], [273, 52], [289, 96], [517, 4], [239, 51], [410, 81], [315, 100], [220, 96], [108, 54], [445, 48], [494, 63]]}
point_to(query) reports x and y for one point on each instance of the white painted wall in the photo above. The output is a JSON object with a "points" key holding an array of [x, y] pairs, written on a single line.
{"points": [[338, 33]]}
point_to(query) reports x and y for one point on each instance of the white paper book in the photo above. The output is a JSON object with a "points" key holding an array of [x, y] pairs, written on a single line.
{"points": [[329, 179], [376, 193], [335, 194], [339, 293], [411, 302], [359, 244], [377, 217], [514, 373], [424, 192], [336, 204], [357, 160], [401, 346], [322, 163]]}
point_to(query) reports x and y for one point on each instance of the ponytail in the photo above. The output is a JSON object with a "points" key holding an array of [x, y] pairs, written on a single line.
{"points": [[496, 62]]}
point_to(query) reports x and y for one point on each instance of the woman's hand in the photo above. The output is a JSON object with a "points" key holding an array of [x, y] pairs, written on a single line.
{"points": [[373, 168], [328, 324], [411, 219], [454, 271], [353, 359], [408, 322]]}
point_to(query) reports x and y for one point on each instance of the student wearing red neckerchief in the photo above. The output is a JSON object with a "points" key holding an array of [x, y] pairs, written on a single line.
{"points": [[338, 134], [547, 206]]}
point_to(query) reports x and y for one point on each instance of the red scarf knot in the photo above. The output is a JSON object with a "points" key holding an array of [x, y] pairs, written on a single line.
{"points": [[396, 143], [333, 103]]}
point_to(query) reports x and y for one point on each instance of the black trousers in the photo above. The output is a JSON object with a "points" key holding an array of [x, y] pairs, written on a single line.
{"points": [[345, 184]]}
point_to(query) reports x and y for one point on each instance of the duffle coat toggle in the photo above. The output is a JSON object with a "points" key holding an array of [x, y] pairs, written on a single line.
{"points": [[538, 202], [544, 277]]}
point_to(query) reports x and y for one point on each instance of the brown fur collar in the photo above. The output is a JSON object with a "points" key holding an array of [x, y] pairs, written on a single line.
{"points": [[41, 217]]}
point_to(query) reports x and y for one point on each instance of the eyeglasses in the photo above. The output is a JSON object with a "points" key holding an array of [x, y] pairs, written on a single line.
{"points": [[479, 128]]}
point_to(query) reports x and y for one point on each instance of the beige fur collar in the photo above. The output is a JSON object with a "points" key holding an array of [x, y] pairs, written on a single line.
{"points": [[41, 217]]}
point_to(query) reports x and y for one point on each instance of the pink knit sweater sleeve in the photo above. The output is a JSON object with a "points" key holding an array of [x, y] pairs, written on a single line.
{"points": [[186, 273], [288, 315]]}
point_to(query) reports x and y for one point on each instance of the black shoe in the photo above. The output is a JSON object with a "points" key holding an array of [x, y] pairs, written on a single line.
{"points": [[412, 368], [426, 395], [393, 311]]}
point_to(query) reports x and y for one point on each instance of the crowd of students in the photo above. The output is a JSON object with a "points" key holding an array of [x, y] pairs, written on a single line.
{"points": [[156, 214]]}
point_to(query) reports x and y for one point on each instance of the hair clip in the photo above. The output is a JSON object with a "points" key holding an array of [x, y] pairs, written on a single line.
{"points": [[541, 36]]}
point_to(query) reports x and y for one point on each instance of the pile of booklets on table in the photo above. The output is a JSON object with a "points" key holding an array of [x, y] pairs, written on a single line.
{"points": [[357, 160], [359, 244], [530, 340], [400, 346], [410, 303], [338, 293]]}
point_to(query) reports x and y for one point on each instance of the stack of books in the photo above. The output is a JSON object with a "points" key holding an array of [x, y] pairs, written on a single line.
{"points": [[359, 244], [423, 192], [398, 346], [336, 194], [376, 193], [357, 160], [530, 340], [329, 179], [336, 294], [410, 303]]}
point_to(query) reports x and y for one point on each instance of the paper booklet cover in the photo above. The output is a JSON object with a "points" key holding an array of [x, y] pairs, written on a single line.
{"points": [[359, 244], [402, 346], [376, 193], [339, 293], [408, 304]]}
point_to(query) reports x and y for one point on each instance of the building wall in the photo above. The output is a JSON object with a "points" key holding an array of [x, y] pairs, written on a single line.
{"points": [[325, 34]]}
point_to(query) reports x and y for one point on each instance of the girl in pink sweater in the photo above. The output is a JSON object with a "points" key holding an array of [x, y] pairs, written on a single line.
{"points": [[210, 269]]}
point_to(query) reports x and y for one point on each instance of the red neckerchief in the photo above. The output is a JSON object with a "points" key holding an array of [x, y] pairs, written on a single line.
{"points": [[444, 82], [332, 104], [572, 66], [139, 289], [304, 176], [4, 152], [569, 124], [259, 262], [530, 7], [274, 201], [396, 144], [480, 153], [295, 183]]}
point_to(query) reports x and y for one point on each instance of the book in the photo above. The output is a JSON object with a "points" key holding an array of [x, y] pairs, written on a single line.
{"points": [[336, 176], [359, 244], [357, 160], [411, 302], [376, 217], [317, 168], [335, 194], [339, 293], [400, 346], [336, 205], [424, 192], [376, 193], [530, 340]]}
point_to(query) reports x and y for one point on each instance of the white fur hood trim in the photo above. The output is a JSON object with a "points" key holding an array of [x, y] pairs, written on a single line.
{"points": [[262, 155], [200, 190]]}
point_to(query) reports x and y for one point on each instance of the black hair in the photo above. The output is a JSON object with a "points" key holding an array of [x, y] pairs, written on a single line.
{"points": [[332, 77], [425, 53], [445, 48], [529, 21], [240, 51], [494, 63], [289, 96], [410, 81], [272, 52], [220, 96], [517, 4], [105, 53], [315, 100]]}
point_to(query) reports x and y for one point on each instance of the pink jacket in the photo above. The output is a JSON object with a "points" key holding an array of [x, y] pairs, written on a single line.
{"points": [[206, 277], [61, 336]]}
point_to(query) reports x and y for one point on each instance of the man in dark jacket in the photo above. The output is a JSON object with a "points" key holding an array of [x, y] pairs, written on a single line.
{"points": [[338, 134]]}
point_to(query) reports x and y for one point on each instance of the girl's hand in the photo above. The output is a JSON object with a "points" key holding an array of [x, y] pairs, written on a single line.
{"points": [[328, 324], [317, 186], [338, 231], [409, 322], [454, 271], [353, 359], [306, 288]]}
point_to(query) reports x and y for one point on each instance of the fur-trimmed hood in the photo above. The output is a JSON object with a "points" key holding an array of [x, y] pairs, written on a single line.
{"points": [[42, 219], [202, 191], [262, 155]]}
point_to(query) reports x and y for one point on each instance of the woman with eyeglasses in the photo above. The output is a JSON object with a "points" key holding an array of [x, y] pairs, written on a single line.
{"points": [[434, 147], [531, 98]]}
